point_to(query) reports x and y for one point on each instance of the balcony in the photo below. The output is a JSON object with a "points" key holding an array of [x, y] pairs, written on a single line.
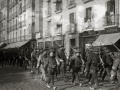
{"points": [[86, 1], [24, 23], [14, 27], [20, 24], [47, 33], [24, 8], [112, 20], [72, 28], [15, 14], [20, 11], [71, 4]]}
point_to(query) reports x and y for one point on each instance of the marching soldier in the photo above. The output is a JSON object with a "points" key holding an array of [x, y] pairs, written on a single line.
{"points": [[75, 65], [34, 57], [51, 66], [94, 65], [116, 70], [108, 62], [60, 55]]}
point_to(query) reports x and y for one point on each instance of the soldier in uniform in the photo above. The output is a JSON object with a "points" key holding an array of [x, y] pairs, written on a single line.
{"points": [[51, 65], [108, 62], [61, 57], [75, 65], [94, 68], [34, 57], [116, 70]]}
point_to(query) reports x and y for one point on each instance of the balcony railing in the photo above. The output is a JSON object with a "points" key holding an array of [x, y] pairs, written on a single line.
{"points": [[72, 28], [71, 3], [24, 8], [24, 23], [111, 20]]}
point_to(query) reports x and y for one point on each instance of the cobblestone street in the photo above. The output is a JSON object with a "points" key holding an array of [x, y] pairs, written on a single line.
{"points": [[12, 78]]}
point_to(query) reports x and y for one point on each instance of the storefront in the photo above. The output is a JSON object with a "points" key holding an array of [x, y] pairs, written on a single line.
{"points": [[109, 37], [86, 39]]}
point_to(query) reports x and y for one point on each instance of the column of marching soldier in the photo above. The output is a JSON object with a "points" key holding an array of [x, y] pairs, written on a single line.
{"points": [[52, 63]]}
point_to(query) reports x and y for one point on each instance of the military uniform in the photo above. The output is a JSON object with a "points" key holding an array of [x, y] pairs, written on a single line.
{"points": [[108, 62], [60, 56], [116, 69], [51, 67], [75, 65], [34, 57]]}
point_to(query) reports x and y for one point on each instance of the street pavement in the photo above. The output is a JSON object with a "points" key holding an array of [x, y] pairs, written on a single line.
{"points": [[12, 78]]}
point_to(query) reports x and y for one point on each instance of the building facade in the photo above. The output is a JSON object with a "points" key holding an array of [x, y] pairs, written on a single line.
{"points": [[77, 22], [3, 20]]}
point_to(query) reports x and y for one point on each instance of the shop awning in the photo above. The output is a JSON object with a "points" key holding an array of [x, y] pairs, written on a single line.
{"points": [[106, 39], [15, 45]]}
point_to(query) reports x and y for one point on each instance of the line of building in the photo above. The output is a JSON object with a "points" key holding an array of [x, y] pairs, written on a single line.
{"points": [[41, 23]]}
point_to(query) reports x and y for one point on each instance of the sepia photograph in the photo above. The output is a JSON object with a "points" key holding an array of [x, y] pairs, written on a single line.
{"points": [[59, 45]]}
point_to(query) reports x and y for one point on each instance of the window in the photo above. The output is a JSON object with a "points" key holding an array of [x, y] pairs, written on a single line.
{"points": [[72, 18], [24, 16], [49, 8], [111, 6], [24, 32], [59, 5], [48, 28], [71, 2], [88, 13]]}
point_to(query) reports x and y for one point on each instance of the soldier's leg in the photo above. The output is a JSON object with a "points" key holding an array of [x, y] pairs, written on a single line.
{"points": [[73, 77], [117, 86], [77, 76], [104, 75]]}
